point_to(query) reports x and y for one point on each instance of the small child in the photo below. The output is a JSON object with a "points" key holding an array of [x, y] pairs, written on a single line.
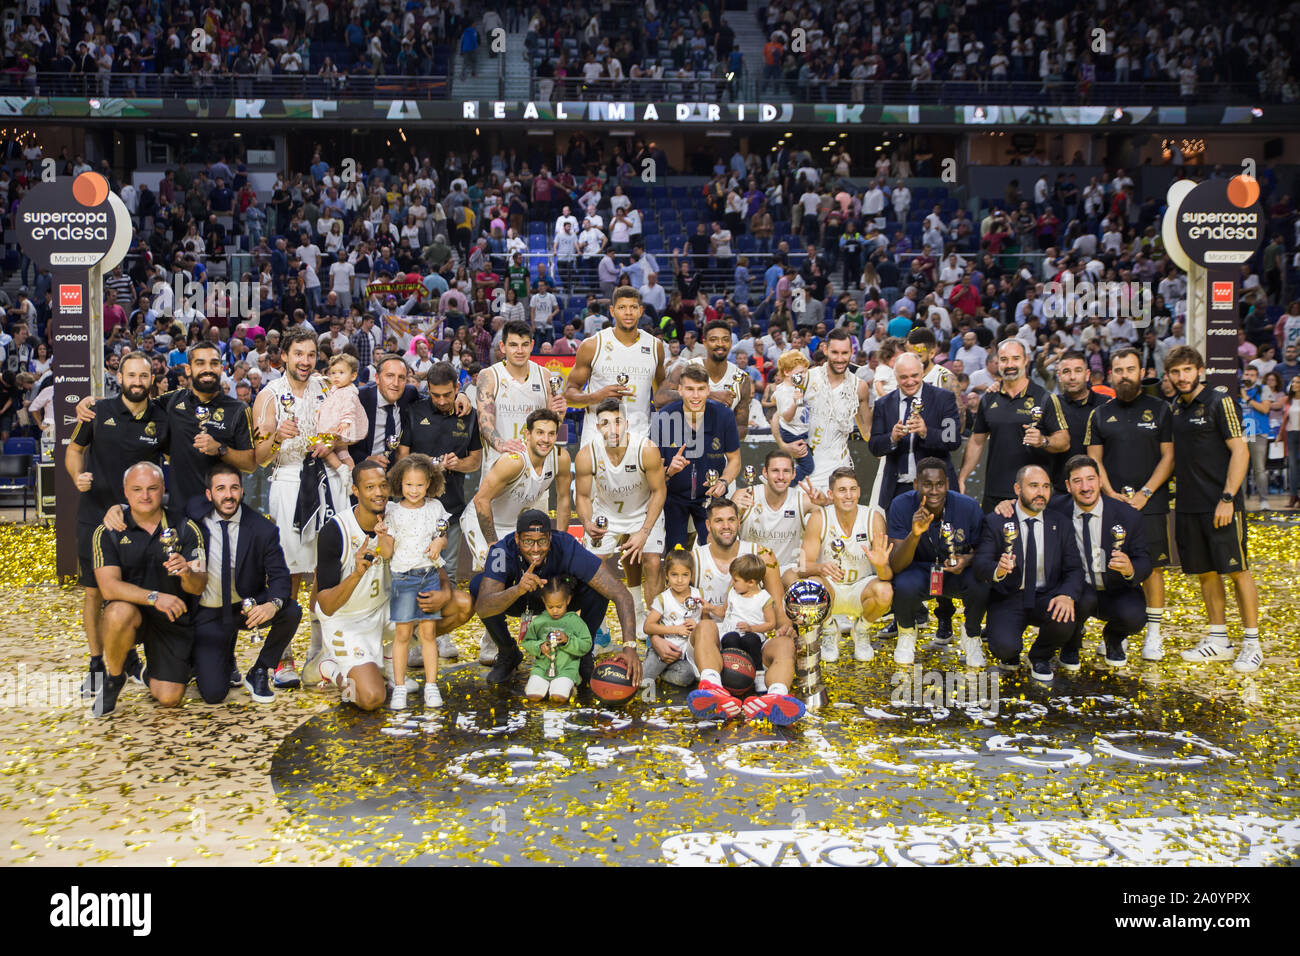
{"points": [[749, 608], [558, 639], [341, 414], [674, 622], [791, 409], [418, 523]]}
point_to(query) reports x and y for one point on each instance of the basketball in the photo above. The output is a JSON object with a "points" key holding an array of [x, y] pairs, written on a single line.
{"points": [[611, 682], [737, 670]]}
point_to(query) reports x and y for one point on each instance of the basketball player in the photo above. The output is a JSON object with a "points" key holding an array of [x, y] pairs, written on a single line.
{"points": [[712, 575], [837, 400], [508, 392], [855, 571], [774, 514], [621, 478], [284, 416], [623, 362], [727, 383]]}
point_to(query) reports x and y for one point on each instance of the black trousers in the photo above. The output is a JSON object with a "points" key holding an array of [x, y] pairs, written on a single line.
{"points": [[589, 604], [214, 646], [912, 590], [1123, 609], [1008, 620]]}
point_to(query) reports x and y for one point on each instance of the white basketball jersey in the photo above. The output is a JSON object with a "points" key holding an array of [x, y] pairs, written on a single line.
{"points": [[939, 377], [778, 529], [293, 450], [620, 492], [857, 567], [831, 411], [713, 583], [638, 362], [371, 594], [515, 401], [725, 384], [524, 492]]}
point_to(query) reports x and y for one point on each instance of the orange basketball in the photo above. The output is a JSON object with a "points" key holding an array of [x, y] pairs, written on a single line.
{"points": [[1243, 190], [90, 189]]}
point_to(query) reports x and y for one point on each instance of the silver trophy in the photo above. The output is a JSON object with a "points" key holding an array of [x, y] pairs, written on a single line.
{"points": [[837, 552], [1010, 531], [949, 533], [550, 648], [601, 522], [1128, 491], [247, 605], [750, 474], [392, 442], [1119, 534], [171, 543], [694, 608], [201, 414], [622, 379], [286, 403], [711, 478], [916, 406], [556, 382], [807, 603], [800, 381], [736, 381], [1035, 416], [440, 529]]}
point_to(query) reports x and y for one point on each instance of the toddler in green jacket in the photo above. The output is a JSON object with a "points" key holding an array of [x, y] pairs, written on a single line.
{"points": [[558, 640]]}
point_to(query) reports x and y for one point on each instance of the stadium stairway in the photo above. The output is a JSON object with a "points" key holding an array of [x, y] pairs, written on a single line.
{"points": [[750, 38], [486, 86]]}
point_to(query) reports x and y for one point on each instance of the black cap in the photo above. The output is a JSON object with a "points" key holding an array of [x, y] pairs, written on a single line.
{"points": [[532, 520]]}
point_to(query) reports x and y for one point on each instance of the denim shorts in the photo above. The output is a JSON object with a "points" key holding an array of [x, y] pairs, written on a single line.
{"points": [[402, 605]]}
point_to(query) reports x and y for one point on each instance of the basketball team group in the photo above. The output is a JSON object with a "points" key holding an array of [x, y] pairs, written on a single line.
{"points": [[369, 524]]}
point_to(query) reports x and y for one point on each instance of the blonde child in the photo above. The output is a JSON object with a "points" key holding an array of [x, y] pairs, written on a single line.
{"points": [[418, 523], [341, 414], [670, 622], [558, 640], [791, 409]]}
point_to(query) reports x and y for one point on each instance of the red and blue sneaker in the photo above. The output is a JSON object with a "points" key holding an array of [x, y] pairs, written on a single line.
{"points": [[713, 701], [780, 709]]}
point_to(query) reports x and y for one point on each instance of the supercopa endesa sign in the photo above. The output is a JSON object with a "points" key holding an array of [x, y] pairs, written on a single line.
{"points": [[74, 223], [1217, 222]]}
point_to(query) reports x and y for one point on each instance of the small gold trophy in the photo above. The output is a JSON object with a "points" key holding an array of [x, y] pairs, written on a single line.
{"points": [[736, 382], [710, 479], [392, 443], [1128, 491], [750, 475], [837, 552], [602, 523], [1119, 534], [549, 647], [556, 382], [247, 605], [171, 543], [440, 529], [622, 379], [800, 381], [201, 414], [1010, 531], [286, 403], [949, 534]]}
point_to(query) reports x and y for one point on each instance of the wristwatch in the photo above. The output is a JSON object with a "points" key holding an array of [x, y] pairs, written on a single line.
{"points": [[629, 645], [279, 603], [1227, 498], [1146, 491], [152, 597], [221, 451]]}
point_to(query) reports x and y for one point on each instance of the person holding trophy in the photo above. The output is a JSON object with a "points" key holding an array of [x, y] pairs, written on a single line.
{"points": [[148, 573]]}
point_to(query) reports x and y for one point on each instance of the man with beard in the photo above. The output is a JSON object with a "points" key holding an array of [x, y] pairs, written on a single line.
{"points": [[621, 478], [1212, 460], [845, 547], [837, 400], [1131, 439], [244, 562], [1036, 574], [623, 362], [303, 494], [773, 657], [1078, 401], [148, 582], [125, 430], [727, 383], [775, 515], [508, 392], [934, 531], [698, 442], [1021, 423]]}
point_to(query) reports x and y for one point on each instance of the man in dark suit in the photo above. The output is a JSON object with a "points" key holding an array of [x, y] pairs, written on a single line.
{"points": [[385, 404], [1114, 567], [1036, 575], [245, 561], [902, 437]]}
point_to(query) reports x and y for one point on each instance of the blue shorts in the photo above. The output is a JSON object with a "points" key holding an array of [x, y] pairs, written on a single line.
{"points": [[678, 515], [803, 467], [402, 605]]}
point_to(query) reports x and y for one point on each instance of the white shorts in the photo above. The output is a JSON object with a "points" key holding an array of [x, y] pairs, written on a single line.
{"points": [[825, 461], [356, 639], [282, 502], [614, 539], [541, 687], [472, 534], [847, 598]]}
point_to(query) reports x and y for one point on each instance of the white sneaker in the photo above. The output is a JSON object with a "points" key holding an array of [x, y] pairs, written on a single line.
{"points": [[862, 647], [412, 685], [1208, 650], [487, 651], [905, 649], [1249, 659], [398, 701], [447, 649], [760, 682], [311, 670], [432, 696], [830, 641], [415, 656], [348, 691], [1153, 647], [972, 649]]}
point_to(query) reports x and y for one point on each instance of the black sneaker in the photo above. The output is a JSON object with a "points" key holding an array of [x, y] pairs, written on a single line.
{"points": [[1069, 659], [1009, 666], [507, 660], [106, 696], [922, 616], [257, 685], [236, 678], [1042, 671], [134, 667], [95, 677], [890, 629], [1115, 656], [943, 631]]}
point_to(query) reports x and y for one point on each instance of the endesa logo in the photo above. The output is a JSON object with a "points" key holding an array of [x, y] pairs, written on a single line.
{"points": [[69, 298], [1221, 295]]}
